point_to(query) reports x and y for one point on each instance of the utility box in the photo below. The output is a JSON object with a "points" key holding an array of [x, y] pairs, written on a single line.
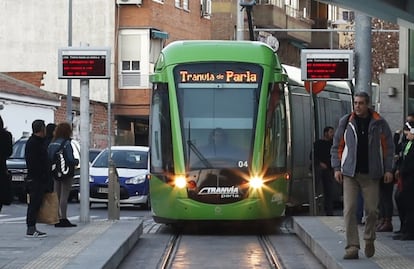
{"points": [[391, 99]]}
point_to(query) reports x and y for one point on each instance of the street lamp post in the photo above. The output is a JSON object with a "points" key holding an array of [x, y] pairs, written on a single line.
{"points": [[69, 117]]}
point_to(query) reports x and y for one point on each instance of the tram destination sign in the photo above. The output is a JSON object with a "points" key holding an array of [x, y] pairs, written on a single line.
{"points": [[84, 63], [327, 64], [217, 73]]}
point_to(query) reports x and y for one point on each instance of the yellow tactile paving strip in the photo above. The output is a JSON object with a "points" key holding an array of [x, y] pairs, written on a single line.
{"points": [[60, 255], [384, 256]]}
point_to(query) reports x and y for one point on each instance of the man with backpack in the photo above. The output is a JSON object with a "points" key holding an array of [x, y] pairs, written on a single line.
{"points": [[63, 164]]}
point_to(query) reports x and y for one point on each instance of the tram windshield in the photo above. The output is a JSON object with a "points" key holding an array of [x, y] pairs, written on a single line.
{"points": [[217, 122]]}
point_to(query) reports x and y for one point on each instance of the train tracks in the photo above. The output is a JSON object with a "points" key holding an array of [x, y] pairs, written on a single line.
{"points": [[228, 251], [169, 254], [270, 252]]}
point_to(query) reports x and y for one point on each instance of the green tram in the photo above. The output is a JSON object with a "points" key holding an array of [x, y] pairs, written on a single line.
{"points": [[219, 137]]}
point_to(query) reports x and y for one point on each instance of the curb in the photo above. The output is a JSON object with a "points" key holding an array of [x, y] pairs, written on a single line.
{"points": [[110, 248]]}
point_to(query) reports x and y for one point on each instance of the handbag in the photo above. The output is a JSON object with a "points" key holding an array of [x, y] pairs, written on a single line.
{"points": [[49, 210], [6, 193]]}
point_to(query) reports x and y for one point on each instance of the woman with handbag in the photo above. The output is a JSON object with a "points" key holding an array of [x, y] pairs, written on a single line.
{"points": [[6, 149], [62, 186]]}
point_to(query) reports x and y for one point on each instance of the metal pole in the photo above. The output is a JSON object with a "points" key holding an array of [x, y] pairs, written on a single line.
{"points": [[69, 117], [331, 40], [312, 137], [321, 30], [109, 117], [363, 57], [240, 22], [84, 167], [109, 121], [249, 19]]}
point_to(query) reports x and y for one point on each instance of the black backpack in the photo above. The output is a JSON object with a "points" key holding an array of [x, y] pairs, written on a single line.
{"points": [[60, 168]]}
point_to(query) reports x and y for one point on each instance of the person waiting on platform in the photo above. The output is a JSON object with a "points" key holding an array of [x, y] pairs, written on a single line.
{"points": [[405, 172], [323, 170]]}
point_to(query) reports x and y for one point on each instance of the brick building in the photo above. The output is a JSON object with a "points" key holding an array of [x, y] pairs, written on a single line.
{"points": [[142, 30], [22, 101]]}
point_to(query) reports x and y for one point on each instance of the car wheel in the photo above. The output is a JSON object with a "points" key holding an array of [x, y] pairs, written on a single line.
{"points": [[147, 205]]}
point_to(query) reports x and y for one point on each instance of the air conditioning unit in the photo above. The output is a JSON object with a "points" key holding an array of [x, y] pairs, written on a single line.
{"points": [[129, 2]]}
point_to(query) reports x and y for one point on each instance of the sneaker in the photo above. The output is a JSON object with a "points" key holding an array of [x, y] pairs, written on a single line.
{"points": [[369, 249], [35, 234], [351, 253]]}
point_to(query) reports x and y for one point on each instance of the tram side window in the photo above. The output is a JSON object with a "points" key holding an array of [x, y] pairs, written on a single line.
{"points": [[161, 149], [275, 138]]}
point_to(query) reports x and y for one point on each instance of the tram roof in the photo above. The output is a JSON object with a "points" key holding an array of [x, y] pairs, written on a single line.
{"points": [[217, 50]]}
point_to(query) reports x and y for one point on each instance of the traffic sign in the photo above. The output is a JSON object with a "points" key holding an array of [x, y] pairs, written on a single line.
{"points": [[315, 86]]}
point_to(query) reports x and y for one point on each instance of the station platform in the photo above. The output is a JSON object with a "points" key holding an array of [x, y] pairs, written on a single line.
{"points": [[325, 237], [96, 244], [105, 243]]}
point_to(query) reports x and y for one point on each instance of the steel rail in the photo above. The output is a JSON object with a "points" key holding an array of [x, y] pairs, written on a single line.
{"points": [[270, 252], [170, 251]]}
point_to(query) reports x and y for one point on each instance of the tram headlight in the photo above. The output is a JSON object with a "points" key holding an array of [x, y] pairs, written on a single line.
{"points": [[256, 182], [180, 182]]}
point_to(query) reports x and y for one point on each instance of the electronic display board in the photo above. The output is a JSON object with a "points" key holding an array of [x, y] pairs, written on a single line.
{"points": [[84, 63], [218, 73], [327, 64]]}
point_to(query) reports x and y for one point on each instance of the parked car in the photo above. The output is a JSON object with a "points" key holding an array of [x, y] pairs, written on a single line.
{"points": [[132, 167], [74, 192], [16, 164]]}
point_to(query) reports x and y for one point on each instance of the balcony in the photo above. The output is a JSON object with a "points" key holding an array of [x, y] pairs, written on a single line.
{"points": [[273, 14], [133, 80]]}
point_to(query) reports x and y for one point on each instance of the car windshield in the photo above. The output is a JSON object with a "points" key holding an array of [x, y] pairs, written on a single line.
{"points": [[131, 159], [18, 149], [93, 154]]}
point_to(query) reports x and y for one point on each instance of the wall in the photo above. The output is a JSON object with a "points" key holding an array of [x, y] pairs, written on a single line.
{"points": [[98, 120], [36, 29], [17, 122]]}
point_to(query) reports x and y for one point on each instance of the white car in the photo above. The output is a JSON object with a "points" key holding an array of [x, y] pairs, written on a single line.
{"points": [[132, 167]]}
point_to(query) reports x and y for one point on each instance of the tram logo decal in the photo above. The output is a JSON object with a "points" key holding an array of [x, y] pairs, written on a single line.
{"points": [[227, 76], [224, 192]]}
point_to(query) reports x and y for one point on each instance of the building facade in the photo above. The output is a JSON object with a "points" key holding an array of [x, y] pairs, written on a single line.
{"points": [[293, 23], [135, 30], [143, 28], [22, 101]]}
